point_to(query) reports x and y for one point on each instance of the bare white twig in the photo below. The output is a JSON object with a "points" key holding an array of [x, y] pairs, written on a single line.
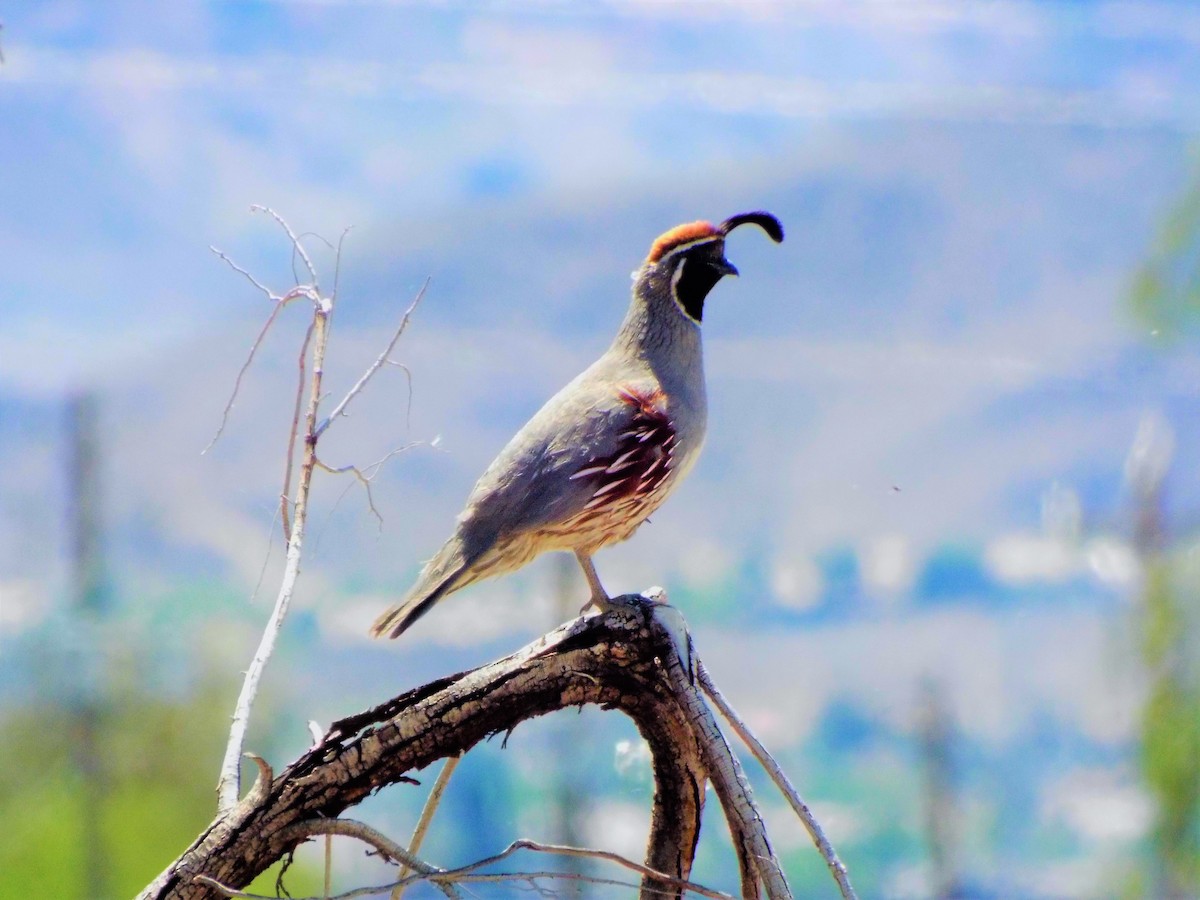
{"points": [[382, 360], [228, 785], [270, 295], [836, 867], [297, 246], [532, 879], [337, 261]]}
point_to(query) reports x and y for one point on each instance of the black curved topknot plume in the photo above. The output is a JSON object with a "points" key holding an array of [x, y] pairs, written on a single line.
{"points": [[764, 220]]}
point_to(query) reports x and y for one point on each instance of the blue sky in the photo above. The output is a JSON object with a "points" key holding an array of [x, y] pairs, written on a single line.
{"points": [[155, 125]]}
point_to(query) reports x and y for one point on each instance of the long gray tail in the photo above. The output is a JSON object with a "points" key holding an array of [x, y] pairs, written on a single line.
{"points": [[398, 618], [440, 577]]}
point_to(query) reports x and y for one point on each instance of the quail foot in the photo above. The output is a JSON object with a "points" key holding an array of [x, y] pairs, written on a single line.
{"points": [[607, 449]]}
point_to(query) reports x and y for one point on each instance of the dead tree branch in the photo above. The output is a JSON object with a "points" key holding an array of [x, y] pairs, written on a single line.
{"points": [[625, 660]]}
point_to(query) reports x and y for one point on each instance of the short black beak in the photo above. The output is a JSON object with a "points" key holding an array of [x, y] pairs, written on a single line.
{"points": [[724, 266]]}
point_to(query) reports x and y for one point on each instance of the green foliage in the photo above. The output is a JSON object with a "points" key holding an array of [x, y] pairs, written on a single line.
{"points": [[157, 762], [1171, 729], [1165, 295]]}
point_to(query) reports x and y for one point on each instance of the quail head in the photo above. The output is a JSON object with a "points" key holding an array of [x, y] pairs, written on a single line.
{"points": [[607, 449]]}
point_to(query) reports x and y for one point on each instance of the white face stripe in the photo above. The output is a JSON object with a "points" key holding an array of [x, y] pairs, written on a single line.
{"points": [[675, 276]]}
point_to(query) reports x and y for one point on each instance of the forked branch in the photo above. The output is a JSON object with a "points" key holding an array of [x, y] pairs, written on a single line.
{"points": [[623, 660], [293, 505]]}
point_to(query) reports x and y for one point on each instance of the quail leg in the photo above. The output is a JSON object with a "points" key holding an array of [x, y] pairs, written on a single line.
{"points": [[599, 598]]}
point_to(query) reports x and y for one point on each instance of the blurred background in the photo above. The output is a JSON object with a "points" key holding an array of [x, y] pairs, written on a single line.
{"points": [[941, 549]]}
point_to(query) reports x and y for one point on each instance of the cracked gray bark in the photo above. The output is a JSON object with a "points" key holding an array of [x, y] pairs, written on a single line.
{"points": [[616, 661]]}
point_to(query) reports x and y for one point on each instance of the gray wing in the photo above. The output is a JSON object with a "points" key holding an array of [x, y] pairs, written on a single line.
{"points": [[596, 435]]}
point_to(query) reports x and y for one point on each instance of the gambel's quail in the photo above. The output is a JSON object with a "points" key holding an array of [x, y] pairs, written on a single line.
{"points": [[606, 450]]}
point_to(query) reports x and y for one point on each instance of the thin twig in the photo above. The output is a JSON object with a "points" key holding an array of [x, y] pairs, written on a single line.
{"points": [[317, 338], [253, 348], [328, 867], [362, 474], [375, 366], [431, 805], [408, 378], [290, 455], [297, 247], [836, 867], [363, 832], [337, 261], [320, 237], [531, 877], [245, 274], [377, 839], [262, 572], [585, 852]]}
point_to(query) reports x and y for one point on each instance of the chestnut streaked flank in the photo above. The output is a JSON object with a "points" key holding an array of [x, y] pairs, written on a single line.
{"points": [[605, 451]]}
